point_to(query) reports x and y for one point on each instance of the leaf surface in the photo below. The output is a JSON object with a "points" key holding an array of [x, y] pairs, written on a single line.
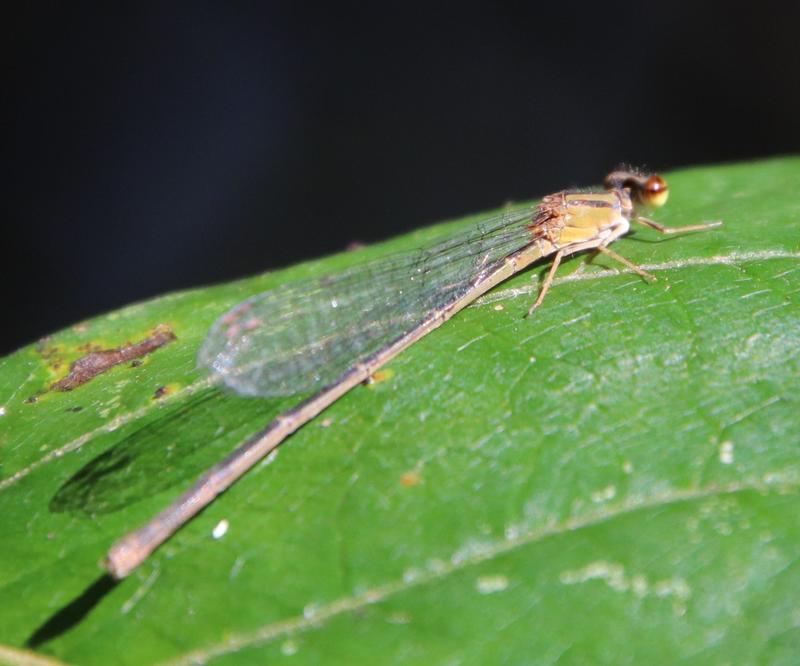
{"points": [[614, 479]]}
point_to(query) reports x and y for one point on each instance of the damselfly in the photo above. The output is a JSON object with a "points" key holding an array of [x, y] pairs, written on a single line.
{"points": [[334, 332]]}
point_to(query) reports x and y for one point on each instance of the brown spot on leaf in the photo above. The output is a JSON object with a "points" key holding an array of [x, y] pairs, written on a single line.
{"points": [[161, 391], [379, 376], [411, 479], [96, 362], [47, 351]]}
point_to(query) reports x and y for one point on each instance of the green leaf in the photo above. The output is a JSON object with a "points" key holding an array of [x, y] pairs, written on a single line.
{"points": [[614, 479]]}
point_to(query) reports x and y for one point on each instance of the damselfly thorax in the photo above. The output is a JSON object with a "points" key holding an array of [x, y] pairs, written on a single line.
{"points": [[575, 221]]}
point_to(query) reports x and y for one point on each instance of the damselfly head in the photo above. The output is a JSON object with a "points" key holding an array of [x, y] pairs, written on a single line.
{"points": [[647, 190], [653, 191]]}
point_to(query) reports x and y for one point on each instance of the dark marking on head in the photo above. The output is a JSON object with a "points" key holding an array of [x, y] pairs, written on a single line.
{"points": [[97, 362]]}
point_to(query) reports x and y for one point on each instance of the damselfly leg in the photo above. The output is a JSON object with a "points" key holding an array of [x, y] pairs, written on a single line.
{"points": [[547, 282], [604, 249], [662, 229]]}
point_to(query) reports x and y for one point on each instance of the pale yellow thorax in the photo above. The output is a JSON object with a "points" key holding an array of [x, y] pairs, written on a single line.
{"points": [[592, 218]]}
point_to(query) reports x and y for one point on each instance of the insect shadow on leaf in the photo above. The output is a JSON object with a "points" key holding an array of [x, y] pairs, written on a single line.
{"points": [[171, 449]]}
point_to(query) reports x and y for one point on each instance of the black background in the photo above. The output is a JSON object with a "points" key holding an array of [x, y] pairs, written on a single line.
{"points": [[152, 148]]}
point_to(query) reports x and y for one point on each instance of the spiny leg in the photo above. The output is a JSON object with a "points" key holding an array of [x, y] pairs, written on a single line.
{"points": [[662, 229], [547, 282], [626, 262]]}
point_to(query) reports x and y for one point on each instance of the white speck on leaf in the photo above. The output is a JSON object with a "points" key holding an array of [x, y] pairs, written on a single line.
{"points": [[436, 566], [639, 586], [673, 587], [399, 618], [220, 529], [726, 452], [491, 584], [270, 458], [613, 574], [604, 494], [237, 567], [411, 575]]}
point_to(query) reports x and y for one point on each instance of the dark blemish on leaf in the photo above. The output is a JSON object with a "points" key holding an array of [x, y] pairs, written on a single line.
{"points": [[96, 362], [47, 351], [75, 409], [166, 390], [136, 363], [32, 399]]}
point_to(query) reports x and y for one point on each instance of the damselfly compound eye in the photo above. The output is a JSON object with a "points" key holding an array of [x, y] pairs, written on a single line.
{"points": [[654, 192]]}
